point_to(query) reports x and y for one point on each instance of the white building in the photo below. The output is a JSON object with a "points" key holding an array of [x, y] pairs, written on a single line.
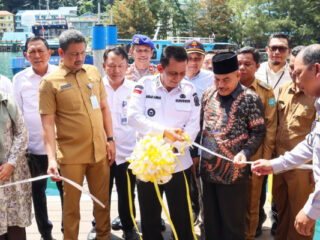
{"points": [[61, 12]]}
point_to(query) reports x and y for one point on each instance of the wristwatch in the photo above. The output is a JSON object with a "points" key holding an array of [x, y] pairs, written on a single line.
{"points": [[110, 139]]}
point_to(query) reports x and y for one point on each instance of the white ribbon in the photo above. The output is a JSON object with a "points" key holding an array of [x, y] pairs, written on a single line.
{"points": [[214, 153], [303, 166], [72, 183]]}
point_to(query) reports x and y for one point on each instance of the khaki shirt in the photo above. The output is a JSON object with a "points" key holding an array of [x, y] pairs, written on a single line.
{"points": [[80, 131], [267, 97], [296, 113]]}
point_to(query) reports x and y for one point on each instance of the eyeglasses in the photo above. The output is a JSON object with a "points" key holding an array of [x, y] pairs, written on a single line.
{"points": [[281, 49]]}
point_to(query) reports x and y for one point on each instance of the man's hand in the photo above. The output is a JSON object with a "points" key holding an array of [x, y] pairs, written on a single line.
{"points": [[53, 169], [195, 165], [6, 171], [174, 134], [240, 160], [111, 152], [262, 167], [303, 224]]}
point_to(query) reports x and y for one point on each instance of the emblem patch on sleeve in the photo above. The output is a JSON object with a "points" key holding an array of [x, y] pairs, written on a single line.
{"points": [[272, 102], [196, 99]]}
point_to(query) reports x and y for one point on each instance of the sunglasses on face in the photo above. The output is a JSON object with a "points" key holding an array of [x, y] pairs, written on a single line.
{"points": [[281, 49]]}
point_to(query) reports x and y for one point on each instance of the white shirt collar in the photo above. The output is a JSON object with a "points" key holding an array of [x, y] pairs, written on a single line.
{"points": [[31, 73], [281, 70], [125, 83]]}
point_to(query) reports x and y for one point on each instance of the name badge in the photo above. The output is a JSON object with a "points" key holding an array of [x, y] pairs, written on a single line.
{"points": [[124, 120], [94, 102]]}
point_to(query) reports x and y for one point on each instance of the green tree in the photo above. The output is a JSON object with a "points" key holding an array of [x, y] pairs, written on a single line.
{"points": [[133, 16], [214, 18], [254, 20]]}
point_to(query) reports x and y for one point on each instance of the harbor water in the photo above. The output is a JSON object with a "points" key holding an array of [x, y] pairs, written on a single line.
{"points": [[5, 63]]}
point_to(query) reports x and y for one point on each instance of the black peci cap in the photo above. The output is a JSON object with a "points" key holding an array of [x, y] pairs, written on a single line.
{"points": [[224, 63]]}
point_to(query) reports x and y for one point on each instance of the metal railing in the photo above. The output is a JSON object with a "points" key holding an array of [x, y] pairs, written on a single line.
{"points": [[186, 39]]}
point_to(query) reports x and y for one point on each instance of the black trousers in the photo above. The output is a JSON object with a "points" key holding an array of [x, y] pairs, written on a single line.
{"points": [[150, 208], [38, 165], [224, 210], [119, 174], [263, 198], [194, 196], [14, 233]]}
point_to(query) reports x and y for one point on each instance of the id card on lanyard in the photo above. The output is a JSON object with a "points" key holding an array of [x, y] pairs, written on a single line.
{"points": [[123, 117], [93, 98]]}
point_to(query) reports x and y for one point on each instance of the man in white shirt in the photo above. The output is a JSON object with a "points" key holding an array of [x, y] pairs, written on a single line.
{"points": [[5, 85], [26, 92], [275, 71], [118, 90], [165, 104]]}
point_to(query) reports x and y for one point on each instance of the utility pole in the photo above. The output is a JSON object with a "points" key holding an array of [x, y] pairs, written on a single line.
{"points": [[99, 10]]}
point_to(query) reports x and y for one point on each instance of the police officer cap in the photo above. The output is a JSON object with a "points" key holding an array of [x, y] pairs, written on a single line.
{"points": [[139, 39], [194, 46], [224, 63]]}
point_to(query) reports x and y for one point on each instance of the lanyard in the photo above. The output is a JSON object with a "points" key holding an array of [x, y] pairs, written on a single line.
{"points": [[278, 79]]}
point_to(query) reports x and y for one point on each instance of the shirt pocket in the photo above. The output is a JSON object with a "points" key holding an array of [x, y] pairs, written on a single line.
{"points": [[152, 108], [302, 119], [183, 110], [183, 106], [30, 101], [69, 99]]}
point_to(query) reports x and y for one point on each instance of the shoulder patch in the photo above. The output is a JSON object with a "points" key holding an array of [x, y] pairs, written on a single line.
{"points": [[196, 99], [264, 85], [272, 102], [138, 89]]}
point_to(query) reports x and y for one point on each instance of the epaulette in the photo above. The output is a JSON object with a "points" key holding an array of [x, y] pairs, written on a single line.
{"points": [[153, 69], [264, 85]]}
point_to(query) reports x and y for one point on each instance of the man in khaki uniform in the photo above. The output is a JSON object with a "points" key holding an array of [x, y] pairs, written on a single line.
{"points": [[248, 59], [291, 189], [73, 100]]}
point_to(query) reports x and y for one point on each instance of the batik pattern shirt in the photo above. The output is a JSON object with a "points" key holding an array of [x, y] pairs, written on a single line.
{"points": [[230, 125]]}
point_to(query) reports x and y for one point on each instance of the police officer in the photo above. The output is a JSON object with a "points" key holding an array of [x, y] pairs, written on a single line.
{"points": [[201, 78], [248, 59], [307, 71], [142, 49], [165, 104]]}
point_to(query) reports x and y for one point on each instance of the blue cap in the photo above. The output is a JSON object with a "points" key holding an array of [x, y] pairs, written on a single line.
{"points": [[139, 39]]}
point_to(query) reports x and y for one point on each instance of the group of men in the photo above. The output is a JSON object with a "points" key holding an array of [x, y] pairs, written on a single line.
{"points": [[225, 101]]}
